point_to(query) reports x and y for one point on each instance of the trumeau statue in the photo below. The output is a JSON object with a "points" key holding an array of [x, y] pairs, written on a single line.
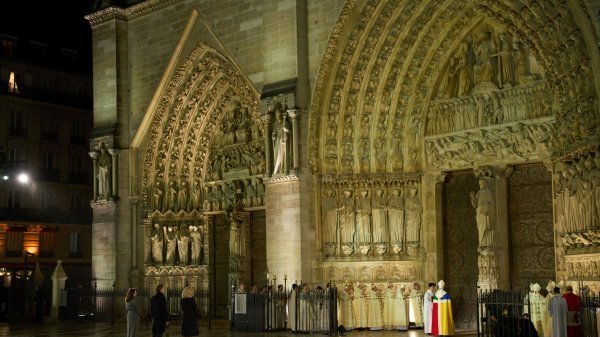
{"points": [[280, 139], [485, 207]]}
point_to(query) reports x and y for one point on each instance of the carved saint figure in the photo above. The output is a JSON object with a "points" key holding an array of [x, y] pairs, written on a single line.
{"points": [[280, 138], [396, 219], [236, 240], [171, 244], [379, 212], [464, 70], [484, 205], [104, 172], [183, 246], [413, 216], [196, 239], [506, 60], [157, 244], [484, 48], [347, 218], [363, 217], [330, 216]]}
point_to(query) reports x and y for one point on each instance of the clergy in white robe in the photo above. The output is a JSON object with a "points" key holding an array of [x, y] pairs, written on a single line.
{"points": [[360, 305], [415, 312], [322, 310], [401, 315], [547, 319], [558, 310], [389, 308], [291, 323], [375, 312], [306, 314], [346, 304], [428, 307]]}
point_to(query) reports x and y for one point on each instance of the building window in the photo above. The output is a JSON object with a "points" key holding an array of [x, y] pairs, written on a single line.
{"points": [[15, 198], [48, 161], [8, 47], [46, 244], [16, 126], [75, 245], [15, 156], [49, 131], [14, 80], [14, 243]]}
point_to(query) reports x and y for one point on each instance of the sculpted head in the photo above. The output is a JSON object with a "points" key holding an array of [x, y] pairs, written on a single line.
{"points": [[482, 184]]}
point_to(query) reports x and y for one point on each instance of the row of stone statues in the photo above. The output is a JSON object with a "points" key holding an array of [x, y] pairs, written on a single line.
{"points": [[387, 219], [577, 197], [237, 193], [487, 57], [488, 108], [584, 269], [172, 243], [247, 157], [236, 127], [512, 142]]}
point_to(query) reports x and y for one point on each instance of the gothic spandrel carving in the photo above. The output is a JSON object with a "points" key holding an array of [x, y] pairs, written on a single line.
{"points": [[204, 88]]}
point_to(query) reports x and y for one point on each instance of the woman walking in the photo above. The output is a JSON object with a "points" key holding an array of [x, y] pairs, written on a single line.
{"points": [[134, 314], [189, 322]]}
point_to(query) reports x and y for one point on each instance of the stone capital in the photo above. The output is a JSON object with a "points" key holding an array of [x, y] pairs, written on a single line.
{"points": [[483, 171], [114, 152], [503, 171], [294, 113], [94, 154]]}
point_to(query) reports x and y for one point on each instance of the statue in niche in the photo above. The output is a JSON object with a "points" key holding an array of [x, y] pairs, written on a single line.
{"points": [[157, 244], [183, 245], [575, 202], [329, 207], [505, 52], [241, 132], [173, 195], [208, 196], [249, 193], [363, 221], [158, 195], [451, 85], [347, 221], [484, 48], [280, 139], [413, 215], [217, 196], [379, 212], [236, 238], [171, 244], [229, 125], [182, 195], [195, 196], [396, 220], [104, 173], [588, 187], [485, 207], [464, 70], [595, 179], [260, 193], [196, 243]]}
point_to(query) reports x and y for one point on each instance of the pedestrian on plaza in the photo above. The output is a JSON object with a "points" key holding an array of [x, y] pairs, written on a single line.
{"points": [[134, 313], [189, 309], [158, 310], [558, 310]]}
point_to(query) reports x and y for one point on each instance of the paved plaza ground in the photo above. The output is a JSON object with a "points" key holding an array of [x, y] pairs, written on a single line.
{"points": [[66, 329]]}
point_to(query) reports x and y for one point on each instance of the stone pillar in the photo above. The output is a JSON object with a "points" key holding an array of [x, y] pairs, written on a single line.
{"points": [[433, 222], [294, 113], [493, 260], [284, 228], [114, 153], [268, 145], [94, 155]]}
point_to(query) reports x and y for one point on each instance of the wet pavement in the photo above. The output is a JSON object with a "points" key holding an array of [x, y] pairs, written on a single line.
{"points": [[219, 329]]}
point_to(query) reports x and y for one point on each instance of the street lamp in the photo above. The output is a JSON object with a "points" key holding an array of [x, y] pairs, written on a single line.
{"points": [[27, 255]]}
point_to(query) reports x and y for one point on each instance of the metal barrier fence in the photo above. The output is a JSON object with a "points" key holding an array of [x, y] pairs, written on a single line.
{"points": [[107, 304], [501, 314], [590, 313], [312, 311]]}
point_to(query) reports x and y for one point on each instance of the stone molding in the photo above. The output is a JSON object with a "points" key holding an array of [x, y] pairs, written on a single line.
{"points": [[103, 204], [127, 14], [281, 179]]}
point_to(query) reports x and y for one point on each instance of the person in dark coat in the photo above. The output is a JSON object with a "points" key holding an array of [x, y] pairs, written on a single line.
{"points": [[526, 327], [189, 309], [158, 310]]}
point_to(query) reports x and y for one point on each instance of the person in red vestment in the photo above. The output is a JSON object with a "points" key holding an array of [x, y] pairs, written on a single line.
{"points": [[574, 306]]}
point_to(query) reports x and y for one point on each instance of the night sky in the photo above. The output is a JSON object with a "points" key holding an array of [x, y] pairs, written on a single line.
{"points": [[56, 22]]}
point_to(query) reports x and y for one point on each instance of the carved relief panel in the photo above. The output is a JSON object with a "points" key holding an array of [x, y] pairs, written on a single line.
{"points": [[530, 228], [371, 216]]}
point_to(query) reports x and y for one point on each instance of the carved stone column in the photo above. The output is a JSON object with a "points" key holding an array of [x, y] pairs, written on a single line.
{"points": [[94, 155], [268, 145], [433, 231], [294, 114], [115, 171]]}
